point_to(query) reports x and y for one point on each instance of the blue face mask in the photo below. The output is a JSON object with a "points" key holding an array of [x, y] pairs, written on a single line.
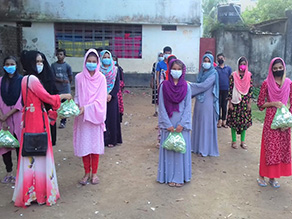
{"points": [[106, 61], [115, 62], [91, 66], [10, 69], [40, 68]]}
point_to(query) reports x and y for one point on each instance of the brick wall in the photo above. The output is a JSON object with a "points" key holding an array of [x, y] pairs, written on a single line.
{"points": [[10, 43]]}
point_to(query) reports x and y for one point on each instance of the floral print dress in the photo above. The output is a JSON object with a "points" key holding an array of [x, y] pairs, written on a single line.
{"points": [[36, 179], [239, 118]]}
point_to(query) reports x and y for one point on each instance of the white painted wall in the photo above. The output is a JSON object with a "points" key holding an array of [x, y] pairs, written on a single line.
{"points": [[41, 37], [184, 42]]}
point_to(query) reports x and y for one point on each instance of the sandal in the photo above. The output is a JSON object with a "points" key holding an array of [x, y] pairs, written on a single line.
{"points": [[179, 184], [262, 182], [275, 184], [84, 180], [110, 145], [243, 146], [171, 184], [94, 180], [219, 124], [225, 126], [233, 145], [8, 179]]}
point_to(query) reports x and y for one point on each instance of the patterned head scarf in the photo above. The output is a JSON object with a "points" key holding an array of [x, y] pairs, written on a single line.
{"points": [[109, 72]]}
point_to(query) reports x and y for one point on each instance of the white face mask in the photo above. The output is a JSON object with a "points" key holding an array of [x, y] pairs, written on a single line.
{"points": [[40, 68], [206, 65], [165, 56], [160, 59], [176, 73]]}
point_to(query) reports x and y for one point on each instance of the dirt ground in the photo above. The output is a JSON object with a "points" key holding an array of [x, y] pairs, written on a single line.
{"points": [[221, 187]]}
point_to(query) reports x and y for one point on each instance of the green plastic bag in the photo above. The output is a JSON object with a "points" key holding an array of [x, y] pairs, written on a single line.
{"points": [[7, 140], [175, 142], [68, 109], [282, 118]]}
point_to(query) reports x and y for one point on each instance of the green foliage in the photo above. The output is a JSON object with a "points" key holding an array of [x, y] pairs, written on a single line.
{"points": [[266, 10], [257, 114], [256, 92]]}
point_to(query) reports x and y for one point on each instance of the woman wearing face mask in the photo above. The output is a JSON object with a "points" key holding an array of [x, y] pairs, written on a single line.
{"points": [[175, 112], [10, 110], [36, 179], [46, 77], [89, 126], [275, 160], [206, 111], [239, 102], [112, 135]]}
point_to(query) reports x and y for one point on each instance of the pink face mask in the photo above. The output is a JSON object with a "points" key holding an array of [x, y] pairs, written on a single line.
{"points": [[242, 67]]}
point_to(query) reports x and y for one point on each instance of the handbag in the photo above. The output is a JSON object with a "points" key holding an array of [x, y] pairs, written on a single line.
{"points": [[34, 144]]}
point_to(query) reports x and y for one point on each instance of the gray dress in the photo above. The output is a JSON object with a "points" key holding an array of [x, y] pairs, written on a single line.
{"points": [[204, 133], [175, 167]]}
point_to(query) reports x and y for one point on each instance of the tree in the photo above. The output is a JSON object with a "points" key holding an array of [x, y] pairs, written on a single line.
{"points": [[266, 10]]}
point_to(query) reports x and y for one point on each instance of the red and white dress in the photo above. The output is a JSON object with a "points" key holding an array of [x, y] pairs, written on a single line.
{"points": [[275, 160], [36, 178]]}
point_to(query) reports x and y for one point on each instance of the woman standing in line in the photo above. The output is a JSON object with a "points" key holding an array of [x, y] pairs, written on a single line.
{"points": [[10, 110], [239, 105], [91, 96], [175, 114], [112, 135], [206, 111], [36, 178], [275, 159], [120, 72]]}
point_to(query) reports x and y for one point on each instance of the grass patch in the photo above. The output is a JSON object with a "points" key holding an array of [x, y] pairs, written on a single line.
{"points": [[256, 113]]}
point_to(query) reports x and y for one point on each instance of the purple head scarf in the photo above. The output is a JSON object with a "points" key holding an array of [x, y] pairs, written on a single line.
{"points": [[174, 94]]}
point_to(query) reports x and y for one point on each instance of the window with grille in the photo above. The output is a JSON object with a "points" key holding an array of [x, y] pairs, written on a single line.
{"points": [[124, 41]]}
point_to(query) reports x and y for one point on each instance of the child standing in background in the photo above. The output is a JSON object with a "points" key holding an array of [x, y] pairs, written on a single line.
{"points": [[63, 75]]}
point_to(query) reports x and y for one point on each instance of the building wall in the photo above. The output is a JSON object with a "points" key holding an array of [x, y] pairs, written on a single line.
{"points": [[111, 11], [259, 49], [9, 43], [184, 42]]}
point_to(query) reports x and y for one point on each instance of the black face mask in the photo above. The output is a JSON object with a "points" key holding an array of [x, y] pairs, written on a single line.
{"points": [[279, 73], [220, 61]]}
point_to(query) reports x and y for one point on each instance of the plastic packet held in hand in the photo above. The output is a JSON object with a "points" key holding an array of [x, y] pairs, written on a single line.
{"points": [[175, 142], [7, 140], [282, 118], [68, 109]]}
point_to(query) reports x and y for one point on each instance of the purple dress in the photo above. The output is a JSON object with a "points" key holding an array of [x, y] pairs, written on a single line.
{"points": [[204, 133], [173, 166]]}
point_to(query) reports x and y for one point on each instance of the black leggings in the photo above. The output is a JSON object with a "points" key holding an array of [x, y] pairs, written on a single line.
{"points": [[223, 94], [7, 159]]}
